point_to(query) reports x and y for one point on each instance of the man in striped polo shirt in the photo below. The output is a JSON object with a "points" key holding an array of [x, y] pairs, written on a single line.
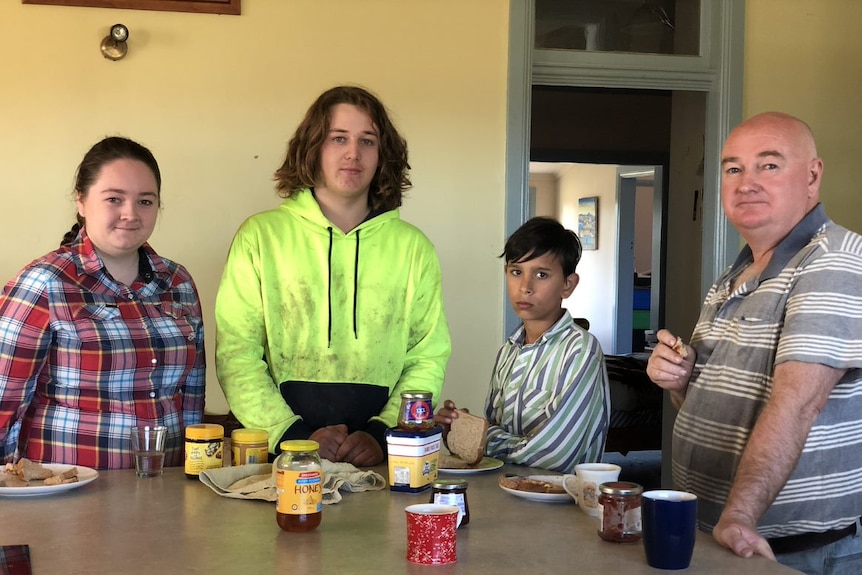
{"points": [[769, 391]]}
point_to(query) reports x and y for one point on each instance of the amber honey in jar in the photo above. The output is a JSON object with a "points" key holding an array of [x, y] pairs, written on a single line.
{"points": [[452, 492], [416, 412], [249, 446], [299, 484], [620, 511]]}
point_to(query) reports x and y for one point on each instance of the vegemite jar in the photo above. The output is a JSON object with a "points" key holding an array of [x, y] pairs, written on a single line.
{"points": [[452, 492], [204, 448], [249, 446], [299, 484], [620, 511], [416, 413]]}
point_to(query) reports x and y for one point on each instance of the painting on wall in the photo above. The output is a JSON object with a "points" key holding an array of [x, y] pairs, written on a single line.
{"points": [[588, 222], [202, 6]]}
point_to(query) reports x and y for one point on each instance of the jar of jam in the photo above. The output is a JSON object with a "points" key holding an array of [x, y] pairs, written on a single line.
{"points": [[452, 492], [416, 412], [620, 511], [204, 448], [299, 485]]}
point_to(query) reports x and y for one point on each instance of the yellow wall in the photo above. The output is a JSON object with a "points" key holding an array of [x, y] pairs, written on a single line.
{"points": [[217, 97], [805, 58]]}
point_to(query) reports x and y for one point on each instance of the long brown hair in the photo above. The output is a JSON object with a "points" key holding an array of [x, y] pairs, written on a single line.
{"points": [[301, 166]]}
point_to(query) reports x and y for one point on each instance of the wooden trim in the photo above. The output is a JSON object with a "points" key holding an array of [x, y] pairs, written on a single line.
{"points": [[200, 6]]}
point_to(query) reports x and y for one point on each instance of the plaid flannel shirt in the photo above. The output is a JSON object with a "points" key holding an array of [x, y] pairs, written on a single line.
{"points": [[83, 358]]}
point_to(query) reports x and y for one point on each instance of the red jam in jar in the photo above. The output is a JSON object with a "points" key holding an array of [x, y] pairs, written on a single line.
{"points": [[620, 511]]}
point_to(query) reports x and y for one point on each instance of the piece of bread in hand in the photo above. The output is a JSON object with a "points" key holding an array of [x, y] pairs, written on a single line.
{"points": [[466, 437], [679, 347]]}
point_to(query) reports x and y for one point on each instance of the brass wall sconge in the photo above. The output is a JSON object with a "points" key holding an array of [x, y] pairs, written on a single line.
{"points": [[114, 45]]}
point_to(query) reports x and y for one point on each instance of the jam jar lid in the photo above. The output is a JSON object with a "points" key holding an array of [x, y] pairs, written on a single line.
{"points": [[416, 395], [449, 484], [621, 488]]}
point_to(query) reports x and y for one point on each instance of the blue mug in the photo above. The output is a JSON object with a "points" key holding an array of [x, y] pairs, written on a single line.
{"points": [[669, 528]]}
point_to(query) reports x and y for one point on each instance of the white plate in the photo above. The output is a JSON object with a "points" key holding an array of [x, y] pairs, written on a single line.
{"points": [[487, 464], [85, 475], [543, 497]]}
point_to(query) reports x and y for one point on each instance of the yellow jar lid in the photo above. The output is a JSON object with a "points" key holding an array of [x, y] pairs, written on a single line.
{"points": [[249, 436], [299, 445], [205, 431]]}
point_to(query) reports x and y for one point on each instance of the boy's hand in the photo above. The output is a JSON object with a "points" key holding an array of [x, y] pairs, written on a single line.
{"points": [[446, 414]]}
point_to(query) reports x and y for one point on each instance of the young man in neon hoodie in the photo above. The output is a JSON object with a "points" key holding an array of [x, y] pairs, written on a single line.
{"points": [[330, 305]]}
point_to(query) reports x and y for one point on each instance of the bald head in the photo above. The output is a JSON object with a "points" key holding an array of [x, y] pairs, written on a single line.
{"points": [[794, 129]]}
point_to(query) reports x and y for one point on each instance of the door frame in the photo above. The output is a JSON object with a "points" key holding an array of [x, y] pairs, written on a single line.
{"points": [[717, 72], [626, 192]]}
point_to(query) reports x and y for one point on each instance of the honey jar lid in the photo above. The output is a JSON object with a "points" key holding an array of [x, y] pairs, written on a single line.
{"points": [[205, 431], [294, 445], [621, 488], [244, 435]]}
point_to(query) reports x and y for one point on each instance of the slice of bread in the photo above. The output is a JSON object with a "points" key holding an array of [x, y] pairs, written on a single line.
{"points": [[466, 437]]}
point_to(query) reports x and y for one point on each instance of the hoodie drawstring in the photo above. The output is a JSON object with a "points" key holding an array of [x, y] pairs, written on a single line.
{"points": [[355, 285], [329, 289]]}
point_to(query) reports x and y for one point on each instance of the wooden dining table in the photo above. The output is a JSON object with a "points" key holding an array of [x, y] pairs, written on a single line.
{"points": [[120, 524]]}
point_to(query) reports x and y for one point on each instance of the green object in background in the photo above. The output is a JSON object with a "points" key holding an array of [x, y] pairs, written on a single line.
{"points": [[640, 319]]}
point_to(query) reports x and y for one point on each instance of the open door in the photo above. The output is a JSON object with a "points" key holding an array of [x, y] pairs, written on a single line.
{"points": [[639, 197]]}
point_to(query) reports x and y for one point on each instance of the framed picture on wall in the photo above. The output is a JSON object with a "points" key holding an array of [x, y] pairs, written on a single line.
{"points": [[588, 222], [203, 6]]}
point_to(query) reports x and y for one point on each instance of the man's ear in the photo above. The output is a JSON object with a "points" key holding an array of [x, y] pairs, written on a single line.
{"points": [[570, 284], [815, 174]]}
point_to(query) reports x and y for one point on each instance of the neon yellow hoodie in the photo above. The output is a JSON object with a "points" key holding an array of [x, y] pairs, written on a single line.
{"points": [[301, 301]]}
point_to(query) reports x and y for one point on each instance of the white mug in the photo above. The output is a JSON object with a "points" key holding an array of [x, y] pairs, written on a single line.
{"points": [[583, 486]]}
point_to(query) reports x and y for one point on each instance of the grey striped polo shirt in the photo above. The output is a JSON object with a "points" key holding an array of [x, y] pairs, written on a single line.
{"points": [[806, 306]]}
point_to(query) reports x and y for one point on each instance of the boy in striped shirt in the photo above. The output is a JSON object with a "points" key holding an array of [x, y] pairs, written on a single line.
{"points": [[549, 403]]}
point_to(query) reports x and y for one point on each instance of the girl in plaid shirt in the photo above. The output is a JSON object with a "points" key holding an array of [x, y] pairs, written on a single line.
{"points": [[101, 334]]}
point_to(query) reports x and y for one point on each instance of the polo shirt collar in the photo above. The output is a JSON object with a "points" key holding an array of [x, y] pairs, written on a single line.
{"points": [[797, 239]]}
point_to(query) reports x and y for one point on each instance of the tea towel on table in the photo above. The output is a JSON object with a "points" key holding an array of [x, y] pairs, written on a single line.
{"points": [[258, 481]]}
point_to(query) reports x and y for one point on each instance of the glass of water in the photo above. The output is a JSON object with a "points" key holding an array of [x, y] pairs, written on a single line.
{"points": [[148, 446]]}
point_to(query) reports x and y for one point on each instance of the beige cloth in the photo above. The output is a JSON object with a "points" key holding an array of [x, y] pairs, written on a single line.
{"points": [[258, 481]]}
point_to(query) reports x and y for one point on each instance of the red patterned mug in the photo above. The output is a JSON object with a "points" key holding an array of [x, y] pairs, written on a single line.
{"points": [[431, 529]]}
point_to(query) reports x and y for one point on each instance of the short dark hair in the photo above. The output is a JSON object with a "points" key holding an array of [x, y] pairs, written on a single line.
{"points": [[539, 236], [102, 153], [301, 166]]}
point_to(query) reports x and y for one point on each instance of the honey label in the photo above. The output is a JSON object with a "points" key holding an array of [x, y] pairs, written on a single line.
{"points": [[203, 456], [299, 492]]}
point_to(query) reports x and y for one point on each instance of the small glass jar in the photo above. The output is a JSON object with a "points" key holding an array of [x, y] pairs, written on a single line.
{"points": [[204, 448], [452, 492], [249, 446], [416, 412], [299, 484], [620, 511]]}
